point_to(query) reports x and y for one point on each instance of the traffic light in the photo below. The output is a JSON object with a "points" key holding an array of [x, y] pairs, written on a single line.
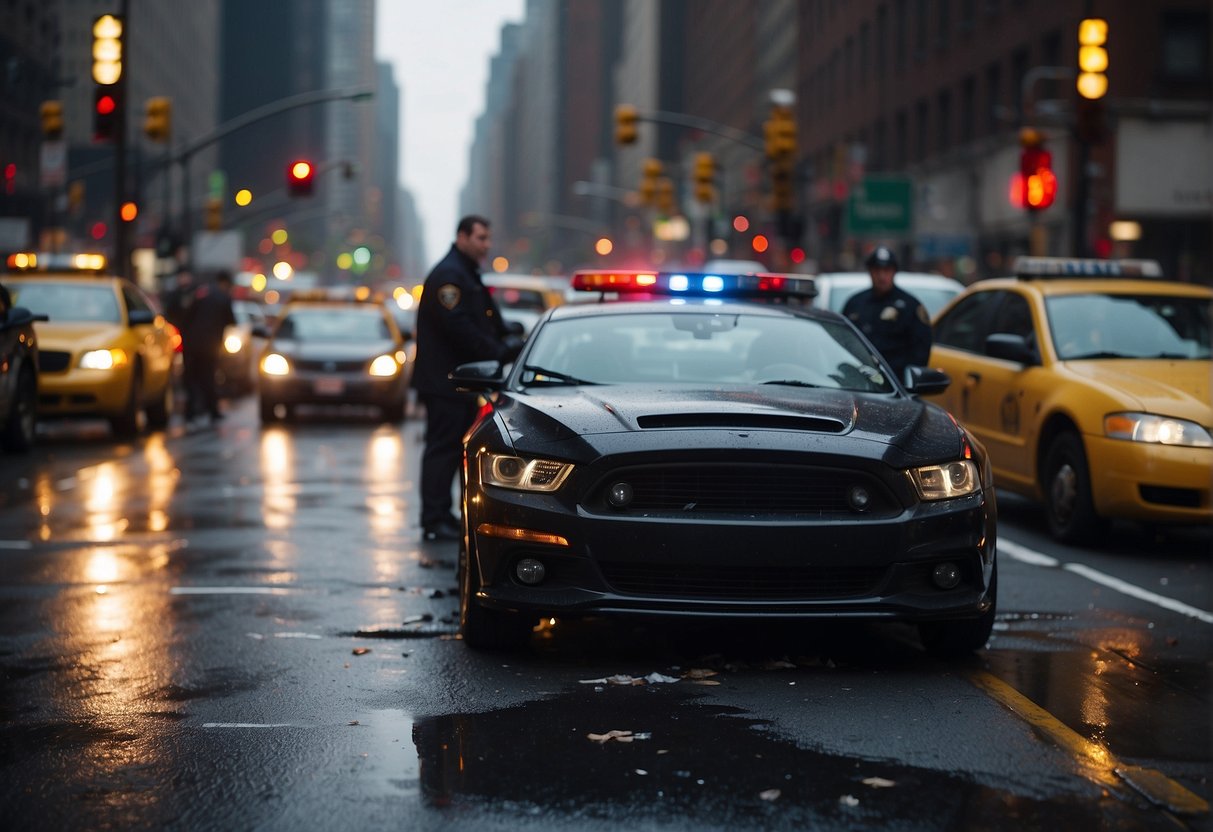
{"points": [[107, 113], [779, 133], [158, 119], [1092, 80], [214, 213], [299, 177], [665, 196], [781, 187], [107, 49], [1035, 185], [52, 119], [705, 177], [625, 124], [650, 173]]}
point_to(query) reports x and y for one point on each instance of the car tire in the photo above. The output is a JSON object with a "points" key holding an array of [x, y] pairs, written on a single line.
{"points": [[1067, 490], [269, 412], [18, 433], [485, 629], [960, 637], [126, 424], [159, 411]]}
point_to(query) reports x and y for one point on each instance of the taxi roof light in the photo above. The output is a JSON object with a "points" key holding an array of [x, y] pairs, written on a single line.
{"points": [[695, 284], [24, 261], [1037, 267]]}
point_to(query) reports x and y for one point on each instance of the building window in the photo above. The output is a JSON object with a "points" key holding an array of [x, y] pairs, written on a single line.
{"points": [[993, 97], [968, 95], [880, 156], [922, 124], [899, 32], [865, 52], [943, 121], [1185, 46], [944, 15], [900, 140], [968, 11], [882, 41], [848, 66], [920, 36], [1050, 55], [1019, 68]]}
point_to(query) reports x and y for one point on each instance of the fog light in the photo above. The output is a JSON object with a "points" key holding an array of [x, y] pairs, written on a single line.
{"points": [[620, 494], [946, 575], [529, 571], [859, 498]]}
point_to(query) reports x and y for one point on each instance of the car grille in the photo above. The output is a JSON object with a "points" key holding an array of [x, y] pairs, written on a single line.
{"points": [[325, 366], [53, 361], [743, 489], [742, 582]]}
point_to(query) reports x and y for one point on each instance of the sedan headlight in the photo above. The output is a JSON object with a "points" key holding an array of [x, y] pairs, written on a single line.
{"points": [[947, 481], [385, 366], [275, 365], [1163, 430], [103, 359], [233, 343], [523, 474]]}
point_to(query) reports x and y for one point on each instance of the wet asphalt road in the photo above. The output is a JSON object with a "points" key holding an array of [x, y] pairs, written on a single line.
{"points": [[237, 628]]}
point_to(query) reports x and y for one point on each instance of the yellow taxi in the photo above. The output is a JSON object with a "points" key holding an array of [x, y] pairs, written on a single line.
{"points": [[330, 349], [1088, 381], [105, 349]]}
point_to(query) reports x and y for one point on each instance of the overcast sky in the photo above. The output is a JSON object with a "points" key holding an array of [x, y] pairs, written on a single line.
{"points": [[440, 50]]}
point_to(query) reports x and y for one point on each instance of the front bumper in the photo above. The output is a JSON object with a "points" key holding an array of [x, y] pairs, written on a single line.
{"points": [[317, 388], [1151, 482], [80, 392]]}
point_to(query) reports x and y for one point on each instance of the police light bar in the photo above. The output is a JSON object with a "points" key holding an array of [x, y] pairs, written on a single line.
{"points": [[694, 284], [1082, 267]]}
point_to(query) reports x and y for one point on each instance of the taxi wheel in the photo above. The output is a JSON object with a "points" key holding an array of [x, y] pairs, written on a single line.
{"points": [[1067, 489], [18, 433], [126, 425], [953, 639], [484, 629]]}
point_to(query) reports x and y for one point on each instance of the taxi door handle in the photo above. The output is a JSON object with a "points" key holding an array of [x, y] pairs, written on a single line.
{"points": [[973, 378]]}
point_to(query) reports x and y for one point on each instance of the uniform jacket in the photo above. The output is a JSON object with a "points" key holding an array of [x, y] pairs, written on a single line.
{"points": [[896, 324], [457, 322]]}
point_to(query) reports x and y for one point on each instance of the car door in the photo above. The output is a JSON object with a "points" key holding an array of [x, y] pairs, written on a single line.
{"points": [[153, 337]]}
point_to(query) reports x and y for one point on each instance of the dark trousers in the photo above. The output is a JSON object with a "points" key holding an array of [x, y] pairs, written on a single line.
{"points": [[201, 394], [447, 418]]}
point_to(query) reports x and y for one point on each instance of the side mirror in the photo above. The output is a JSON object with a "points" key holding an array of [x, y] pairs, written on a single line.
{"points": [[19, 316], [139, 317], [478, 377], [1010, 347], [515, 328], [926, 381]]}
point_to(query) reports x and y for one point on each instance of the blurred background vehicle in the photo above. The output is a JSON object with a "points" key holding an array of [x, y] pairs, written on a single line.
{"points": [[18, 378], [933, 291], [242, 348], [523, 298]]}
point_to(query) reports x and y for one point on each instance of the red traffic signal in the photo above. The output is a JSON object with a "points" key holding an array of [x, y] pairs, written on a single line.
{"points": [[1034, 186], [106, 114], [299, 176]]}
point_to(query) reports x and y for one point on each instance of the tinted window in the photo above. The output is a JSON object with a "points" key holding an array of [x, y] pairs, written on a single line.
{"points": [[966, 325]]}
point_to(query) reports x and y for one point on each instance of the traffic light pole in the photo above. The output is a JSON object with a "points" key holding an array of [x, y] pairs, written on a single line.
{"points": [[122, 237], [706, 125]]}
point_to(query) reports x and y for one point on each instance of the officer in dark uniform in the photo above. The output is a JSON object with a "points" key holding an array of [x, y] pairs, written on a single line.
{"points": [[891, 318], [457, 322]]}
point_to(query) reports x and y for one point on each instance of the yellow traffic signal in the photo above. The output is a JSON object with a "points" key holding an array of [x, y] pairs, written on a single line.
{"points": [[625, 124], [665, 195], [705, 177], [214, 213], [779, 133], [52, 119], [158, 119], [1092, 58], [650, 173], [107, 49]]}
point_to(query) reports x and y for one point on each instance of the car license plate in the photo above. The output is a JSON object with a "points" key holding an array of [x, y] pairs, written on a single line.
{"points": [[329, 387]]}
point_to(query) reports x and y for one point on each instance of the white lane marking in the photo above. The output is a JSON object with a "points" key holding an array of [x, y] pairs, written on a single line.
{"points": [[247, 725], [1032, 557], [229, 590], [16, 544]]}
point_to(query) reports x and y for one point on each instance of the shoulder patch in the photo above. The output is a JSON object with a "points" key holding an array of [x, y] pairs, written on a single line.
{"points": [[448, 295]]}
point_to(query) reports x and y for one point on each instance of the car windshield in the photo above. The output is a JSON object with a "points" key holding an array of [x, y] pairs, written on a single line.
{"points": [[69, 302], [702, 348], [328, 324], [1129, 326]]}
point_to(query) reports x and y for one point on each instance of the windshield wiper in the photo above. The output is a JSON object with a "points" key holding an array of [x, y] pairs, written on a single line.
{"points": [[1100, 354], [791, 382], [544, 376]]}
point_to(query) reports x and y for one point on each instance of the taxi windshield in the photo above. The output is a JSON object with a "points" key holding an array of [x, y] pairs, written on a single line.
{"points": [[69, 302], [1090, 326], [702, 348], [328, 324]]}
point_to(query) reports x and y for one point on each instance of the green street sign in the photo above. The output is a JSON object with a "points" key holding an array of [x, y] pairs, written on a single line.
{"points": [[880, 206]]}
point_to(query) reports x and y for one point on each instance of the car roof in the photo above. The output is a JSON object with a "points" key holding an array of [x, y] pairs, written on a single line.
{"points": [[1104, 285], [679, 304]]}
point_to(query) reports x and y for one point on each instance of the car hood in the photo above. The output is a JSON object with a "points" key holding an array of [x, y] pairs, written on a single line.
{"points": [[1178, 388], [74, 337], [768, 416], [334, 350]]}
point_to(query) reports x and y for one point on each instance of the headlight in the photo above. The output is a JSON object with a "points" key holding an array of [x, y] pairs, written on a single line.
{"points": [[1163, 430], [103, 359], [944, 482], [275, 365], [523, 474], [384, 365], [233, 344]]}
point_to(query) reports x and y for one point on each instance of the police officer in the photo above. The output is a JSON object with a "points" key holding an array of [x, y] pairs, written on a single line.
{"points": [[457, 322], [891, 318]]}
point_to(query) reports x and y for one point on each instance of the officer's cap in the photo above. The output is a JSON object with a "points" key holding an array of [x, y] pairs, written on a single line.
{"points": [[882, 257]]}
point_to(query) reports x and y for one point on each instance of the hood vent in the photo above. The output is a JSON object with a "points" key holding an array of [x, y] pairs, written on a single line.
{"points": [[754, 421]]}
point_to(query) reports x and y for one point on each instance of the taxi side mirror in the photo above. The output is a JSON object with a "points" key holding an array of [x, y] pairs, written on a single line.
{"points": [[138, 317], [1010, 347]]}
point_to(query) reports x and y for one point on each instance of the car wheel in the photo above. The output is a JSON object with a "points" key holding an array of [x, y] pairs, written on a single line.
{"points": [[485, 629], [1067, 489], [960, 637], [18, 433], [269, 413], [158, 412], [126, 425]]}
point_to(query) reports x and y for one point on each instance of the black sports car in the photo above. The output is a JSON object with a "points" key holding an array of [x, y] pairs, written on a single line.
{"points": [[717, 458]]}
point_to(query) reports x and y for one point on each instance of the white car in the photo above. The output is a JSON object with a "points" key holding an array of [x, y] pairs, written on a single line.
{"points": [[523, 298], [933, 291]]}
